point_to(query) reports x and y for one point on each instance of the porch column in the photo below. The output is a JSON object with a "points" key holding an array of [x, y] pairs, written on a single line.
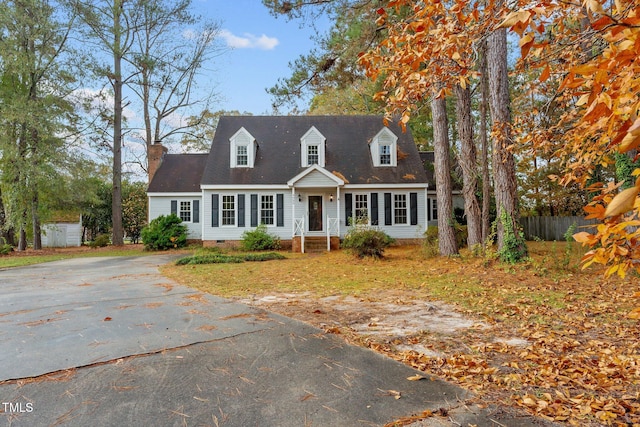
{"points": [[293, 212], [426, 208], [338, 207]]}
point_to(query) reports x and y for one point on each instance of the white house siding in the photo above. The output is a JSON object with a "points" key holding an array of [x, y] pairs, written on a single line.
{"points": [[315, 179], [223, 233], [397, 231], [161, 205], [300, 198]]}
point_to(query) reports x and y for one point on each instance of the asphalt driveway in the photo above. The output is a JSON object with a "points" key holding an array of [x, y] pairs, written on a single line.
{"points": [[110, 342]]}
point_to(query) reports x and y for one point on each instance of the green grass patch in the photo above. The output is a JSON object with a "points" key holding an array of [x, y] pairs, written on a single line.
{"points": [[220, 258], [16, 259]]}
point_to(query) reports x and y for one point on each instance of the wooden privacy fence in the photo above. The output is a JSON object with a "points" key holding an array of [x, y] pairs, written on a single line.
{"points": [[552, 227]]}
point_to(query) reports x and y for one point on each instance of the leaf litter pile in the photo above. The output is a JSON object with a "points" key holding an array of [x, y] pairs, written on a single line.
{"points": [[542, 336]]}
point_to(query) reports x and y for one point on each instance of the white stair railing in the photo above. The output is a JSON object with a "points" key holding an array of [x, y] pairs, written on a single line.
{"points": [[333, 229], [298, 230]]}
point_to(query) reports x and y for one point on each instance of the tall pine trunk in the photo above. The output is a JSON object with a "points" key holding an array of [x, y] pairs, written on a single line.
{"points": [[504, 170], [469, 166], [446, 233], [484, 143], [35, 222], [7, 234], [116, 207]]}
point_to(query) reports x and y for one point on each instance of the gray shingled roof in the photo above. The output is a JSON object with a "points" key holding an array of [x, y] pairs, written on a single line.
{"points": [[178, 173], [278, 157]]}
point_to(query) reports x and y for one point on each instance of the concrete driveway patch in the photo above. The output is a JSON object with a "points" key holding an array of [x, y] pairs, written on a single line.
{"points": [[78, 312], [110, 342]]}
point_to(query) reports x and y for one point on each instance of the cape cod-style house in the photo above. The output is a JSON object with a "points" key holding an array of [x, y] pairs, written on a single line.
{"points": [[304, 177]]}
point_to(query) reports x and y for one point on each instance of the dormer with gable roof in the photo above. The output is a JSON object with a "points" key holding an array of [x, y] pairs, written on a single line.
{"points": [[243, 147], [312, 148], [384, 149]]}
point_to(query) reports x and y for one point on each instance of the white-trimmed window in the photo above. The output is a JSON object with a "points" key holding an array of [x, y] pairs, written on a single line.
{"points": [[312, 148], [242, 157], [312, 155], [384, 148], [242, 149], [360, 206], [385, 155], [434, 209], [267, 210], [400, 209], [228, 210], [185, 211]]}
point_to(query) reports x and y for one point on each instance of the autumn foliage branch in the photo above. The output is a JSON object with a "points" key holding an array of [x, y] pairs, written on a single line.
{"points": [[598, 70]]}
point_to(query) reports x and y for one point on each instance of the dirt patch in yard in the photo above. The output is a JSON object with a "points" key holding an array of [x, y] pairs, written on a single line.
{"points": [[390, 319]]}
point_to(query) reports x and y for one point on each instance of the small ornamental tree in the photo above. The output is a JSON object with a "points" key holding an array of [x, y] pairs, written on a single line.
{"points": [[259, 240], [134, 209], [366, 241], [164, 232]]}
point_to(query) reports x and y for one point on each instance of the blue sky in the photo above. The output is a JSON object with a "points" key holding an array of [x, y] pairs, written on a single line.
{"points": [[261, 47]]}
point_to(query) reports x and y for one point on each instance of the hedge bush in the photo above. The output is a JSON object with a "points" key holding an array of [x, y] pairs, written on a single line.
{"points": [[365, 241], [259, 240], [164, 232], [100, 241], [5, 248], [217, 258]]}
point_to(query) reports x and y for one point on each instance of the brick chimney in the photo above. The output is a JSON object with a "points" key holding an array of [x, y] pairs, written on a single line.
{"points": [[154, 158]]}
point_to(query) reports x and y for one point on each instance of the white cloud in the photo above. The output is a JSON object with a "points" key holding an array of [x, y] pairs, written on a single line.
{"points": [[248, 41]]}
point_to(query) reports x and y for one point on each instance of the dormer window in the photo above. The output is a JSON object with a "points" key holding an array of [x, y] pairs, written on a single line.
{"points": [[312, 155], [242, 159], [385, 155], [312, 146], [384, 148], [242, 150]]}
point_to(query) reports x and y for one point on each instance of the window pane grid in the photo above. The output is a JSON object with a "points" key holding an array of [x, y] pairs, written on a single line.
{"points": [[266, 210], [400, 208], [312, 155], [242, 159], [361, 206], [228, 210], [385, 154], [185, 211]]}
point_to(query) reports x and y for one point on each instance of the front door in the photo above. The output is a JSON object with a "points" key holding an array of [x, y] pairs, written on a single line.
{"points": [[315, 213]]}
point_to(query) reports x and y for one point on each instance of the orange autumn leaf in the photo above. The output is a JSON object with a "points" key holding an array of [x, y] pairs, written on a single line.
{"points": [[623, 202], [514, 18], [546, 73]]}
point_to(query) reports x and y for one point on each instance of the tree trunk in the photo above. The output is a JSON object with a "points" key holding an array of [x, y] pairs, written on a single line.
{"points": [[486, 180], [469, 166], [22, 242], [35, 220], [117, 238], [7, 234], [504, 170], [149, 138], [446, 233]]}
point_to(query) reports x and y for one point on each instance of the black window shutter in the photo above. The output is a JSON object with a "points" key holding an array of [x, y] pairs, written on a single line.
{"points": [[413, 203], [280, 210], [387, 209], [348, 207], [215, 208], [196, 211], [254, 210], [374, 208], [174, 207], [240, 210], [428, 209]]}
